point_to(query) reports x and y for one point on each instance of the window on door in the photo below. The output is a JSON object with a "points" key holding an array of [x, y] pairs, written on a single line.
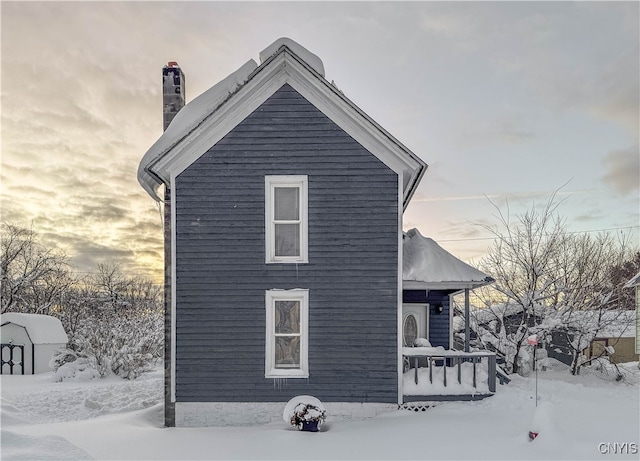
{"points": [[410, 330], [415, 323]]}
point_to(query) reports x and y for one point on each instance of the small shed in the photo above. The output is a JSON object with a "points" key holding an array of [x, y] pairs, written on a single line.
{"points": [[618, 332], [635, 284], [29, 341]]}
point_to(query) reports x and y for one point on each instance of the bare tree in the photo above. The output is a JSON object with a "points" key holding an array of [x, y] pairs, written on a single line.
{"points": [[112, 286], [523, 263], [546, 280], [587, 297], [32, 277], [620, 275]]}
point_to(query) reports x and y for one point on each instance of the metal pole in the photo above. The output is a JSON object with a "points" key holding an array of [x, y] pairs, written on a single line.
{"points": [[535, 365], [466, 321]]}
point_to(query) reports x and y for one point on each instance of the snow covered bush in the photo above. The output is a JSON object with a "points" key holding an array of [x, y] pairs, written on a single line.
{"points": [[305, 413], [126, 345], [137, 347], [304, 409], [115, 323], [82, 369]]}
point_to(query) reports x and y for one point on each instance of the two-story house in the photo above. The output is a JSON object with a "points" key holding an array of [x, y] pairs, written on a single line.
{"points": [[284, 246]]}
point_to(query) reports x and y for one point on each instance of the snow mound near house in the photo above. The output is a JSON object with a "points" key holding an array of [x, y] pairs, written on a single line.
{"points": [[426, 261]]}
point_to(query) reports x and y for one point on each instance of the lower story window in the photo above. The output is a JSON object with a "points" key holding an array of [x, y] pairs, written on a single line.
{"points": [[287, 345]]}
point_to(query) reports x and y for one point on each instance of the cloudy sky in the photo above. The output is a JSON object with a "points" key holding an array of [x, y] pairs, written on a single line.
{"points": [[508, 101]]}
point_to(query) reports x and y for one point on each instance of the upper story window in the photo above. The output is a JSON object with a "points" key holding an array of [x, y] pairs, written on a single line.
{"points": [[286, 219]]}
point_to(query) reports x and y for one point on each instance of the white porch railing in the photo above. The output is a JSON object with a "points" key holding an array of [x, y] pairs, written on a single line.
{"points": [[433, 373]]}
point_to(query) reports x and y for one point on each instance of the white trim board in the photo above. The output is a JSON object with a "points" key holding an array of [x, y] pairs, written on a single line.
{"points": [[173, 289]]}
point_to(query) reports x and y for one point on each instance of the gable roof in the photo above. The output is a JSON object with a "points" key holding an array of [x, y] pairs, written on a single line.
{"points": [[427, 265], [213, 114], [42, 329]]}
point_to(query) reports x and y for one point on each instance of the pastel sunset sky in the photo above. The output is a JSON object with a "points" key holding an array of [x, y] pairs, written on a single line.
{"points": [[507, 101]]}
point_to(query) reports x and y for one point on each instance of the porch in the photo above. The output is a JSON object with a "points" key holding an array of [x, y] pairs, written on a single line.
{"points": [[437, 374]]}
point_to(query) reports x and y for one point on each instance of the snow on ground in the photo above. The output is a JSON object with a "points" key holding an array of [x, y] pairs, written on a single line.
{"points": [[118, 419]]}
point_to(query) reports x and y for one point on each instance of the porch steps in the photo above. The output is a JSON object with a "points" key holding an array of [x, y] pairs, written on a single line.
{"points": [[502, 376]]}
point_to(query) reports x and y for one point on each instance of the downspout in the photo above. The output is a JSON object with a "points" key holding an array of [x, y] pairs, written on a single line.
{"points": [[173, 100], [399, 297], [169, 405]]}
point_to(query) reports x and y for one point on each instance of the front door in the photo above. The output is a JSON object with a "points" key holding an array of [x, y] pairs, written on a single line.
{"points": [[415, 323]]}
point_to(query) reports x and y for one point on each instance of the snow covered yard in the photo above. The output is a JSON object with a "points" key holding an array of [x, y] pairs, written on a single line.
{"points": [[118, 419]]}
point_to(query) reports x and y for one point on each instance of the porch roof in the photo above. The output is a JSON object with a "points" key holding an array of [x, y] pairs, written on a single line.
{"points": [[427, 265]]}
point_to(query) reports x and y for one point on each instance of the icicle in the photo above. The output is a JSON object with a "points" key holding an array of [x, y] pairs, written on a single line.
{"points": [[279, 383]]}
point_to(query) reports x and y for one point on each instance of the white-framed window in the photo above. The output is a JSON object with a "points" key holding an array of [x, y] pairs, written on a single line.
{"points": [[286, 220], [287, 334]]}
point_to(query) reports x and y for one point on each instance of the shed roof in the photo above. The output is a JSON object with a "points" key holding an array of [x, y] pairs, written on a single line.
{"points": [[635, 281], [209, 117], [42, 329], [427, 264]]}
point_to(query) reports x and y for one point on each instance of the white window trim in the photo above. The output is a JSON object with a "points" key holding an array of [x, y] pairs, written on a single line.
{"points": [[271, 182], [301, 295]]}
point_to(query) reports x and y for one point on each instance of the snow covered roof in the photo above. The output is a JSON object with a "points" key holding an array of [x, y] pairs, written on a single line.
{"points": [[502, 310], [634, 282], [187, 119], [429, 265], [209, 117], [618, 324], [614, 323], [42, 329]]}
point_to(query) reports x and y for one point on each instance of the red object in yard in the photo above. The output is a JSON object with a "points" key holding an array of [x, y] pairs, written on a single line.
{"points": [[172, 64], [532, 436], [532, 340]]}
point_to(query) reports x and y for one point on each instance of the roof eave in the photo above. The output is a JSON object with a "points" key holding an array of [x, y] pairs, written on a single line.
{"points": [[154, 172], [416, 164]]}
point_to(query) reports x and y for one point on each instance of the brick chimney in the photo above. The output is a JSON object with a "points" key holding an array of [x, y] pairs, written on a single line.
{"points": [[173, 92]]}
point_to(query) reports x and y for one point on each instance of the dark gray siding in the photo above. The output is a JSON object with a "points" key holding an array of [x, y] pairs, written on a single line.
{"points": [[439, 323], [351, 274]]}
